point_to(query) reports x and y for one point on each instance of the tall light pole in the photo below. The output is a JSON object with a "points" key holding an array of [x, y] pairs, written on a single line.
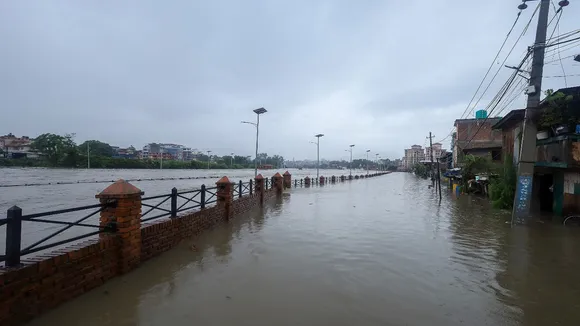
{"points": [[318, 155], [377, 160], [232, 161], [368, 151], [208, 159], [257, 125], [88, 155], [351, 146], [161, 157]]}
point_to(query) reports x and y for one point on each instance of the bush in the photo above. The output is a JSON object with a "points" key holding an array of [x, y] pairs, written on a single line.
{"points": [[502, 189]]}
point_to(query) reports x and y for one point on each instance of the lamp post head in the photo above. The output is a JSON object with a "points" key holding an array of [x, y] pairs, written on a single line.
{"points": [[260, 111], [319, 135], [351, 146], [368, 150]]}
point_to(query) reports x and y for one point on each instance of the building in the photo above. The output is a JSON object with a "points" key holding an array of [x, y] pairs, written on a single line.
{"points": [[477, 137], [413, 155], [170, 152], [129, 152], [17, 147], [556, 179], [437, 152]]}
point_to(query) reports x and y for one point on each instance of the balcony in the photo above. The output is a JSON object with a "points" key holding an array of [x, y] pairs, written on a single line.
{"points": [[559, 151]]}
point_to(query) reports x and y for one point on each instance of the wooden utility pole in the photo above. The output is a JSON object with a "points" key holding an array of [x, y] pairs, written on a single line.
{"points": [[523, 196]]}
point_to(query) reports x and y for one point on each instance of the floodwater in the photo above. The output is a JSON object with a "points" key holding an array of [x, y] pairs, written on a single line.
{"points": [[37, 199], [379, 251]]}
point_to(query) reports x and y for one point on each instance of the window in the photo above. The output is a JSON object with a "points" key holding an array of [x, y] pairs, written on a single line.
{"points": [[496, 155]]}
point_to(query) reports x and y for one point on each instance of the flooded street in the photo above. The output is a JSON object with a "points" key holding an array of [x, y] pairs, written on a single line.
{"points": [[379, 251]]}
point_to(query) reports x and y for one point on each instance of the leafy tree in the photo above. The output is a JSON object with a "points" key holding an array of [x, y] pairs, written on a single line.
{"points": [[54, 147], [420, 170], [96, 148], [502, 189]]}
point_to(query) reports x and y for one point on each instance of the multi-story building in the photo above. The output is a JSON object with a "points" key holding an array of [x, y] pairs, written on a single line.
{"points": [[170, 152], [16, 147], [413, 155], [476, 137], [437, 152]]}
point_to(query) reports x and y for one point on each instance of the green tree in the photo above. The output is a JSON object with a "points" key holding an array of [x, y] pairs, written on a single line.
{"points": [[96, 148], [502, 189], [54, 147], [420, 170]]}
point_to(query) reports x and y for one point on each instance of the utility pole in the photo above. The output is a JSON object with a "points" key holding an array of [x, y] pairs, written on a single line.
{"points": [[523, 196], [208, 159], [161, 156], [232, 161], [351, 146], [368, 150], [318, 155], [88, 155], [431, 155], [439, 179]]}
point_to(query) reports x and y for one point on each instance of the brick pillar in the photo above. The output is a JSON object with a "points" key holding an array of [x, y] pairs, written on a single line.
{"points": [[321, 180], [287, 180], [278, 183], [356, 176], [125, 219], [342, 178], [224, 196], [307, 182], [333, 179], [259, 187]]}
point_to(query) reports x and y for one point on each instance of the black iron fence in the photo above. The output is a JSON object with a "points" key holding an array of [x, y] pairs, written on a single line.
{"points": [[153, 207], [15, 219]]}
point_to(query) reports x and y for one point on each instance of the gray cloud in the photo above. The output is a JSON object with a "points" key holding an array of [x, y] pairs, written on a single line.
{"points": [[377, 74]]}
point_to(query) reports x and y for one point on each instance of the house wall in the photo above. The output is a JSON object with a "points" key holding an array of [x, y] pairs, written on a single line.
{"points": [[571, 200]]}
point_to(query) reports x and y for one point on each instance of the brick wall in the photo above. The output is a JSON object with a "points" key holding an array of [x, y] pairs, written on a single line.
{"points": [[48, 280], [467, 128]]}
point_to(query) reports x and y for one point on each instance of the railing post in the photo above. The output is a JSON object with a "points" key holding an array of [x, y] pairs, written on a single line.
{"points": [[287, 179], [174, 202], [202, 197], [260, 187], [126, 216], [321, 180], [278, 182], [13, 236], [295, 183], [240, 185], [251, 187], [224, 196]]}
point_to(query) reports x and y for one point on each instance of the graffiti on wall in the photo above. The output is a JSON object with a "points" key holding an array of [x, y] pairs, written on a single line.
{"points": [[523, 193]]}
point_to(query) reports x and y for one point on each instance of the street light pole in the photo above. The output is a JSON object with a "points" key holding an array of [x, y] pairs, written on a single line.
{"points": [[318, 155], [232, 161], [208, 159], [368, 151], [377, 160], [351, 146], [257, 125], [88, 155]]}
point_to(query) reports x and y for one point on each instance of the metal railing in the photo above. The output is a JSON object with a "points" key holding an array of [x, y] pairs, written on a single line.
{"points": [[239, 189], [14, 219]]}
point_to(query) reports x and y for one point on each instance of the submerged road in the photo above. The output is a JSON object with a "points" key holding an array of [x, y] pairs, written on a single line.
{"points": [[379, 251]]}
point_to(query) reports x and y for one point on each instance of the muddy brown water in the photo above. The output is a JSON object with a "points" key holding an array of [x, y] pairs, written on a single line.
{"points": [[379, 251]]}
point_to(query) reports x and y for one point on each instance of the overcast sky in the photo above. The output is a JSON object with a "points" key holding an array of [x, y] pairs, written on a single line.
{"points": [[377, 74]]}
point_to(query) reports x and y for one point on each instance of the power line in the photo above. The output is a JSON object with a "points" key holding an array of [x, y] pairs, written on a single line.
{"points": [[493, 61], [492, 64], [508, 55], [497, 98]]}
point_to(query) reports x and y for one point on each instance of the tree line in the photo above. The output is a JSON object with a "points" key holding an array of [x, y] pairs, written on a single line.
{"points": [[62, 151]]}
